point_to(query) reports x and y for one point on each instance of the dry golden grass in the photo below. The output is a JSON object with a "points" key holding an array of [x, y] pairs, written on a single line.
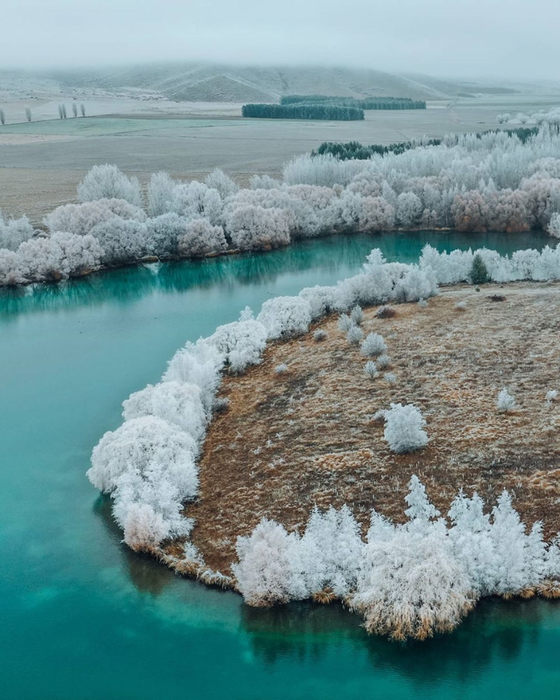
{"points": [[306, 437]]}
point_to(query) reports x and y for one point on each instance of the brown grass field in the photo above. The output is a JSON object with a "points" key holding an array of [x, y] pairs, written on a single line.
{"points": [[290, 441]]}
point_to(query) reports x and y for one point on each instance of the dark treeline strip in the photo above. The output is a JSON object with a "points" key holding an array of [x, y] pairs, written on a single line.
{"points": [[357, 151], [302, 111], [354, 150], [368, 103]]}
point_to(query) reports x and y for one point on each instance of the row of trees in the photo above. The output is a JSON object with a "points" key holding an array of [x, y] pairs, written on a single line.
{"points": [[61, 112], [354, 150], [475, 183], [303, 110], [410, 579], [367, 103]]}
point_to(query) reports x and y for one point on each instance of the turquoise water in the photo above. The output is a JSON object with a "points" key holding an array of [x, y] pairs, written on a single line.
{"points": [[81, 617]]}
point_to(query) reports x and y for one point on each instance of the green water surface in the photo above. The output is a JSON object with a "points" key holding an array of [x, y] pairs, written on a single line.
{"points": [[83, 618]]}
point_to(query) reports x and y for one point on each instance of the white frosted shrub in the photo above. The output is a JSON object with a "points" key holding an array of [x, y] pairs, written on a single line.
{"points": [[355, 335], [285, 317], [390, 378], [374, 344], [357, 315], [123, 241], [108, 182], [253, 228], [505, 401], [383, 361], [82, 218], [345, 323], [404, 428], [178, 403], [281, 368], [322, 300], [198, 364], [269, 568], [240, 343], [551, 395], [200, 238], [319, 335], [13, 232], [370, 369]]}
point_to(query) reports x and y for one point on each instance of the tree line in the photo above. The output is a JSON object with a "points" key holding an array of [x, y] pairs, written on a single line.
{"points": [[303, 111], [367, 103]]}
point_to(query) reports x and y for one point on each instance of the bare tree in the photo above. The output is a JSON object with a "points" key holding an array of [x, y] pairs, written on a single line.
{"points": [[28, 113], [2, 117]]}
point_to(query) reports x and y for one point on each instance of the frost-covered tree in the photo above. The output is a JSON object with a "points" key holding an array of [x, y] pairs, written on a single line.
{"points": [[2, 117], [122, 240], [221, 182], [269, 569], [83, 110], [13, 232], [164, 234], [257, 228], [200, 364], [331, 551], [108, 182], [28, 115], [81, 218], [160, 194], [200, 238], [74, 109], [177, 403], [404, 428]]}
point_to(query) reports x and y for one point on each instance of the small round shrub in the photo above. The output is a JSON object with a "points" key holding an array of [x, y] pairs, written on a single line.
{"points": [[355, 335], [370, 369], [385, 311], [374, 344], [357, 315], [505, 401], [319, 335], [383, 361], [281, 369], [345, 323]]}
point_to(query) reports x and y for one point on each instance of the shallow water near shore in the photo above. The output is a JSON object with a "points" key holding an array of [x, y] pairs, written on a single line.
{"points": [[83, 617]]}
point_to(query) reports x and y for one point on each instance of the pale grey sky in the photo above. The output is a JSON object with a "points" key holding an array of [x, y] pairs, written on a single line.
{"points": [[510, 38]]}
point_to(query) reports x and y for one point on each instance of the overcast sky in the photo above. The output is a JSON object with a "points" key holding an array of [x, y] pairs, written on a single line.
{"points": [[510, 38]]}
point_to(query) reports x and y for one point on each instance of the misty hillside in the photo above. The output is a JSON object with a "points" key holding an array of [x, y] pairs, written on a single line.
{"points": [[221, 83]]}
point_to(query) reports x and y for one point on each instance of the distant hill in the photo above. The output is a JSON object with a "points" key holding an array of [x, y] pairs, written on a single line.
{"points": [[222, 83]]}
